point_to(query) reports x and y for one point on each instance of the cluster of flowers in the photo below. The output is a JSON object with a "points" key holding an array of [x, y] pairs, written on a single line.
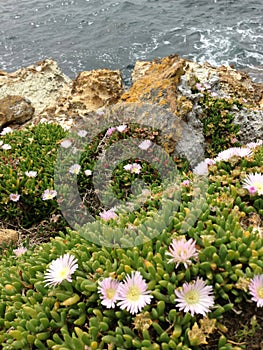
{"points": [[46, 195], [252, 182], [132, 294]]}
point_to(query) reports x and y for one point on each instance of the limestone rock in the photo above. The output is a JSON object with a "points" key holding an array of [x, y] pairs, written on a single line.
{"points": [[97, 88], [251, 124], [157, 83], [7, 236], [15, 109], [42, 83]]}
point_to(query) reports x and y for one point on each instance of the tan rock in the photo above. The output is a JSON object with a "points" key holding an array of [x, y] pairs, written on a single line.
{"points": [[97, 88], [42, 83], [15, 109], [157, 83], [7, 236]]}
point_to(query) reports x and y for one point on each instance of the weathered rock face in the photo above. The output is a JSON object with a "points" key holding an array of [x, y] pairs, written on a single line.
{"points": [[157, 82], [97, 88], [42, 84], [7, 236], [15, 109]]}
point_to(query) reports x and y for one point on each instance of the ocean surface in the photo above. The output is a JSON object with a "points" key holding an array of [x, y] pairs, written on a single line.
{"points": [[90, 34]]}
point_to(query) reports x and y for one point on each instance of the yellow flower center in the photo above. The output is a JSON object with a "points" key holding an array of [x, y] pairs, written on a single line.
{"points": [[192, 297], [110, 292], [63, 273], [260, 292], [134, 294], [259, 187]]}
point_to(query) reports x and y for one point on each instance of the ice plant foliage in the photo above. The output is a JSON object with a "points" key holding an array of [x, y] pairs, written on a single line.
{"points": [[108, 288], [256, 289], [194, 297], [61, 269], [133, 294], [181, 251], [254, 183]]}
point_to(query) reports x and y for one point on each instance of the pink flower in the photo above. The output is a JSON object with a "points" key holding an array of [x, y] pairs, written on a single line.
{"points": [[194, 297], [144, 145], [133, 168], [108, 215], [256, 289], [20, 251], [14, 197], [181, 251], [110, 131], [121, 128], [108, 288], [49, 194], [254, 183], [61, 269], [199, 87], [133, 294], [186, 183], [6, 130]]}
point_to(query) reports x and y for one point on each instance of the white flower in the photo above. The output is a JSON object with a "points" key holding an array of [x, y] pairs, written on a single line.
{"points": [[6, 146], [31, 173], [108, 288], [133, 294], [82, 133], [61, 269], [49, 194], [144, 145], [201, 168], [121, 128], [66, 143], [88, 172], [181, 251], [6, 130], [133, 168], [75, 169], [195, 297]]}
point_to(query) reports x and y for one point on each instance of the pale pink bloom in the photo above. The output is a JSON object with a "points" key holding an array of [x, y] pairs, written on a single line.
{"points": [[121, 128], [66, 143], [110, 131], [108, 215], [31, 173], [20, 251], [100, 111], [201, 168], [182, 251], [233, 151], [6, 130], [214, 94], [254, 144], [60, 269], [108, 288], [256, 289], [6, 146], [14, 197], [88, 172], [82, 133], [234, 140], [144, 145], [133, 168], [199, 87], [1, 142], [185, 183], [194, 297], [207, 86], [133, 294], [254, 183], [75, 169], [210, 161], [49, 194]]}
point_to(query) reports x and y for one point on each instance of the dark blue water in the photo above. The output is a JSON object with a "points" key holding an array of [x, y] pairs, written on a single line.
{"points": [[90, 34]]}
